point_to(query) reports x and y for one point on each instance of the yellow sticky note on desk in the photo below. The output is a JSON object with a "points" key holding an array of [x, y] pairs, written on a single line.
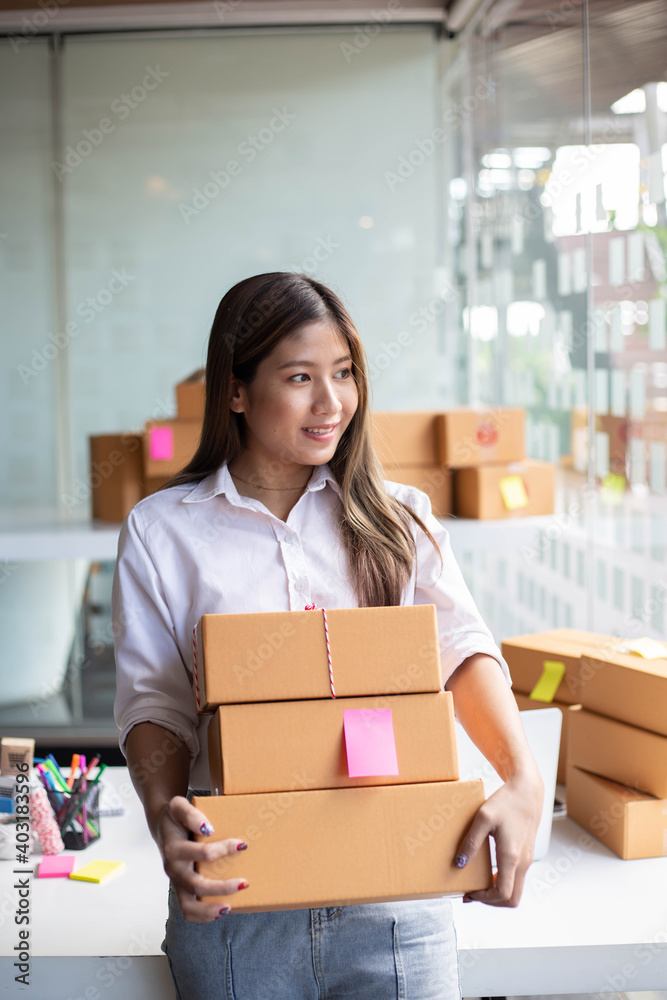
{"points": [[97, 871], [513, 492], [553, 672], [650, 649]]}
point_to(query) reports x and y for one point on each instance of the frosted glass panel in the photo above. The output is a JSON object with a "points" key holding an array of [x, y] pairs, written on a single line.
{"points": [[27, 354], [195, 162]]}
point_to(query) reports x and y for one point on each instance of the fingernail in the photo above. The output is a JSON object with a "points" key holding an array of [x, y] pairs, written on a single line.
{"points": [[241, 847], [243, 885], [461, 860], [206, 829], [224, 911], [467, 899]]}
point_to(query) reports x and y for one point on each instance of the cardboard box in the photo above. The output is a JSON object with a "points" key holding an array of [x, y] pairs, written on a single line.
{"points": [[282, 655], [475, 436], [478, 492], [153, 484], [287, 745], [191, 396], [435, 481], [116, 475], [169, 445], [402, 439], [525, 704], [526, 655], [615, 750], [626, 687], [630, 823], [616, 429], [14, 752], [340, 846]]}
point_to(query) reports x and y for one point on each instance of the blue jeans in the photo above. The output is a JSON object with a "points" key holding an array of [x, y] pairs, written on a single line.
{"points": [[378, 951]]}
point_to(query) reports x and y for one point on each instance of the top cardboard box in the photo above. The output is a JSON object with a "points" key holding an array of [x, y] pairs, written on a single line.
{"points": [[405, 439], [469, 437], [191, 396], [626, 687], [526, 654], [282, 656]]}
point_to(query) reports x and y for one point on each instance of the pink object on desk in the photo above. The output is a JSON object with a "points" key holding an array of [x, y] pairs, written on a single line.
{"points": [[56, 867], [369, 742], [161, 443]]}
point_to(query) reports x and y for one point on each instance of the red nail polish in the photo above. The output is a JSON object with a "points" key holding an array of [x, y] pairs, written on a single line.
{"points": [[241, 847], [243, 885], [224, 911]]}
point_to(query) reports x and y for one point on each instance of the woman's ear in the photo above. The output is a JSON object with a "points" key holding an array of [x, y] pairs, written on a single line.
{"points": [[237, 396]]}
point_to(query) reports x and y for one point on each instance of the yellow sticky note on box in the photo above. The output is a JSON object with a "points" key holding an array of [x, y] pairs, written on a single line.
{"points": [[552, 674], [97, 871], [513, 492], [649, 648]]}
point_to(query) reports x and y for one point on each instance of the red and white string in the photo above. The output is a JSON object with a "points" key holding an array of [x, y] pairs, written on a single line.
{"points": [[313, 607]]}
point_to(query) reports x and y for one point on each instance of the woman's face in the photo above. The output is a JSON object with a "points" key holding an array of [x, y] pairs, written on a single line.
{"points": [[301, 400]]}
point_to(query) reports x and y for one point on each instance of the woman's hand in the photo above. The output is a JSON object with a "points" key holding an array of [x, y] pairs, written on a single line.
{"points": [[511, 815], [176, 820]]}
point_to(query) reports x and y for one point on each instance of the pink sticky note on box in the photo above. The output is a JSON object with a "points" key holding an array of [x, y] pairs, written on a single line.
{"points": [[369, 742], [56, 866], [161, 443]]}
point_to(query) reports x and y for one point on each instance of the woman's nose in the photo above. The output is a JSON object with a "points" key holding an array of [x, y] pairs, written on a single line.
{"points": [[326, 399]]}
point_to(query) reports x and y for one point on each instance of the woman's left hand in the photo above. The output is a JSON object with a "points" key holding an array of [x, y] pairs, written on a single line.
{"points": [[511, 815]]}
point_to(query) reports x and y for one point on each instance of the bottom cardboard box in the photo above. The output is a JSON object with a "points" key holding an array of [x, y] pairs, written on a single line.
{"points": [[116, 473], [615, 750], [434, 480], [630, 823], [525, 703], [477, 491], [346, 845]]}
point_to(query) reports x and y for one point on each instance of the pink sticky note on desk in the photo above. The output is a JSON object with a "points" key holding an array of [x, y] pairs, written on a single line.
{"points": [[369, 742], [56, 866], [161, 443]]}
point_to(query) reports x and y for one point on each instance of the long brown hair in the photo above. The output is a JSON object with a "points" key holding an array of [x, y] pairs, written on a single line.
{"points": [[251, 319]]}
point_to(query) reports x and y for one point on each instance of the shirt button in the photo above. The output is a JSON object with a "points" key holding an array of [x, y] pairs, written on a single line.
{"points": [[301, 584]]}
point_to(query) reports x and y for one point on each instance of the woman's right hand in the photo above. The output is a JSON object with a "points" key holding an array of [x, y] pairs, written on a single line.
{"points": [[176, 820]]}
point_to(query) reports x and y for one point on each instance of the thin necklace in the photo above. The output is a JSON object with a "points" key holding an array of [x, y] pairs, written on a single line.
{"points": [[274, 489]]}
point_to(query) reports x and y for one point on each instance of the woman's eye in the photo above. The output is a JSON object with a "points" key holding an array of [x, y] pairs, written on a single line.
{"points": [[302, 375], [345, 372]]}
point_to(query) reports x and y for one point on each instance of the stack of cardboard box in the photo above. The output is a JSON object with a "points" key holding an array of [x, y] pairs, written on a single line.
{"points": [[481, 448], [346, 799], [617, 753], [545, 671], [128, 466]]}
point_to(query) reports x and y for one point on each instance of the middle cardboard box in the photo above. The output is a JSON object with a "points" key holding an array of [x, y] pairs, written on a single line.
{"points": [[301, 745]]}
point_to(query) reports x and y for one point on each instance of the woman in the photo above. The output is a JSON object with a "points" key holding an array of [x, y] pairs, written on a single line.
{"points": [[284, 505]]}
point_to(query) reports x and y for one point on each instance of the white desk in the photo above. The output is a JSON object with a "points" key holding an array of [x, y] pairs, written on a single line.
{"points": [[587, 922]]}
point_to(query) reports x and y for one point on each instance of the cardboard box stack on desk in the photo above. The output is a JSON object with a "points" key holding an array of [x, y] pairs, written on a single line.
{"points": [[346, 799], [128, 466], [617, 752], [545, 671], [493, 478], [407, 446]]}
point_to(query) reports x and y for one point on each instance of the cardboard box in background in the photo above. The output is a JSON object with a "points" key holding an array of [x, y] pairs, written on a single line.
{"points": [[435, 481], [526, 654], [405, 439], [341, 846], [615, 750], [295, 745], [191, 396], [153, 485], [282, 655], [525, 704], [616, 429], [626, 687], [478, 491], [469, 436], [175, 441], [630, 823], [116, 475]]}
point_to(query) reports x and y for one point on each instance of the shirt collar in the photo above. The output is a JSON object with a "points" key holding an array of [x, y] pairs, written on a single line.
{"points": [[220, 482]]}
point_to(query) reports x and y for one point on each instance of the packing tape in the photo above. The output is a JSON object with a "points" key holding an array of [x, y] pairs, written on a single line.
{"points": [[552, 674]]}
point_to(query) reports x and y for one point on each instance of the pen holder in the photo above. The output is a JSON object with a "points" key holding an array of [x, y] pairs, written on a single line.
{"points": [[77, 815]]}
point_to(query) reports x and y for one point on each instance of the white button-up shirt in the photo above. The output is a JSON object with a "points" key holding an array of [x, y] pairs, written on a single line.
{"points": [[206, 549]]}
